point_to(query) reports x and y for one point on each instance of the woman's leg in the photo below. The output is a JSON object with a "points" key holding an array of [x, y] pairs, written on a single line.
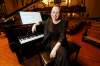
{"points": [[61, 57]]}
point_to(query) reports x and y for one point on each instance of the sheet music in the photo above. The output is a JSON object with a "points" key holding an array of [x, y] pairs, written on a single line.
{"points": [[30, 17]]}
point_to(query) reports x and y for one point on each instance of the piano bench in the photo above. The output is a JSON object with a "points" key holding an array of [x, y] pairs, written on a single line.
{"points": [[45, 58]]}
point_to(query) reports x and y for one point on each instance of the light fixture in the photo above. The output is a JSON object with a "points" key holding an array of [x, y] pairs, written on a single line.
{"points": [[45, 1], [68, 2]]}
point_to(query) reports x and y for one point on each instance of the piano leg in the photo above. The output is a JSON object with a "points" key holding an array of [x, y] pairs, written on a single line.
{"points": [[20, 56]]}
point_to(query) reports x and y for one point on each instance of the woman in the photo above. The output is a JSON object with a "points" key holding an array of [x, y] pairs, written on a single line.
{"points": [[54, 39]]}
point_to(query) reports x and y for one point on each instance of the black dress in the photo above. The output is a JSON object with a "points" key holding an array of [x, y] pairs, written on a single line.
{"points": [[54, 33]]}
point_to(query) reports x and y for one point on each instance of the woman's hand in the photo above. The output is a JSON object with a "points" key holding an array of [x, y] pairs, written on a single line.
{"points": [[53, 54], [54, 50], [34, 27]]}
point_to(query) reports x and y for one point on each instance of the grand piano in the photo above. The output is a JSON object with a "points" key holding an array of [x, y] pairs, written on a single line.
{"points": [[22, 41]]}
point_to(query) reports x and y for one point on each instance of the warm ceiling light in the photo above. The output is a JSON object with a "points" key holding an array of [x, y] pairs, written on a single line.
{"points": [[45, 1], [68, 2]]}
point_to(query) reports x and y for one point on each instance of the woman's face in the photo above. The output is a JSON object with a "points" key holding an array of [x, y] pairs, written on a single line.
{"points": [[55, 13]]}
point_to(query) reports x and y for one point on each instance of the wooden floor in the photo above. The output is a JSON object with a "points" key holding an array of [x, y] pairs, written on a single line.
{"points": [[88, 56], [7, 57]]}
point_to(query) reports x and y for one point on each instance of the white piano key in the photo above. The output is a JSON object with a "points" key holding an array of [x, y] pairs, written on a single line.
{"points": [[22, 41]]}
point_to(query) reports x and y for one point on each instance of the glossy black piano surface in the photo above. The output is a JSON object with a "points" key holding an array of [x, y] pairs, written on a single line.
{"points": [[23, 41]]}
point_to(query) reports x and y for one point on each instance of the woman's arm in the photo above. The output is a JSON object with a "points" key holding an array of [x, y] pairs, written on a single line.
{"points": [[34, 27], [57, 45], [54, 50], [36, 24]]}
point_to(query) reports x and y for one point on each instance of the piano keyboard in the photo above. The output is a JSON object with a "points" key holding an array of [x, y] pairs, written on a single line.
{"points": [[31, 38]]}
